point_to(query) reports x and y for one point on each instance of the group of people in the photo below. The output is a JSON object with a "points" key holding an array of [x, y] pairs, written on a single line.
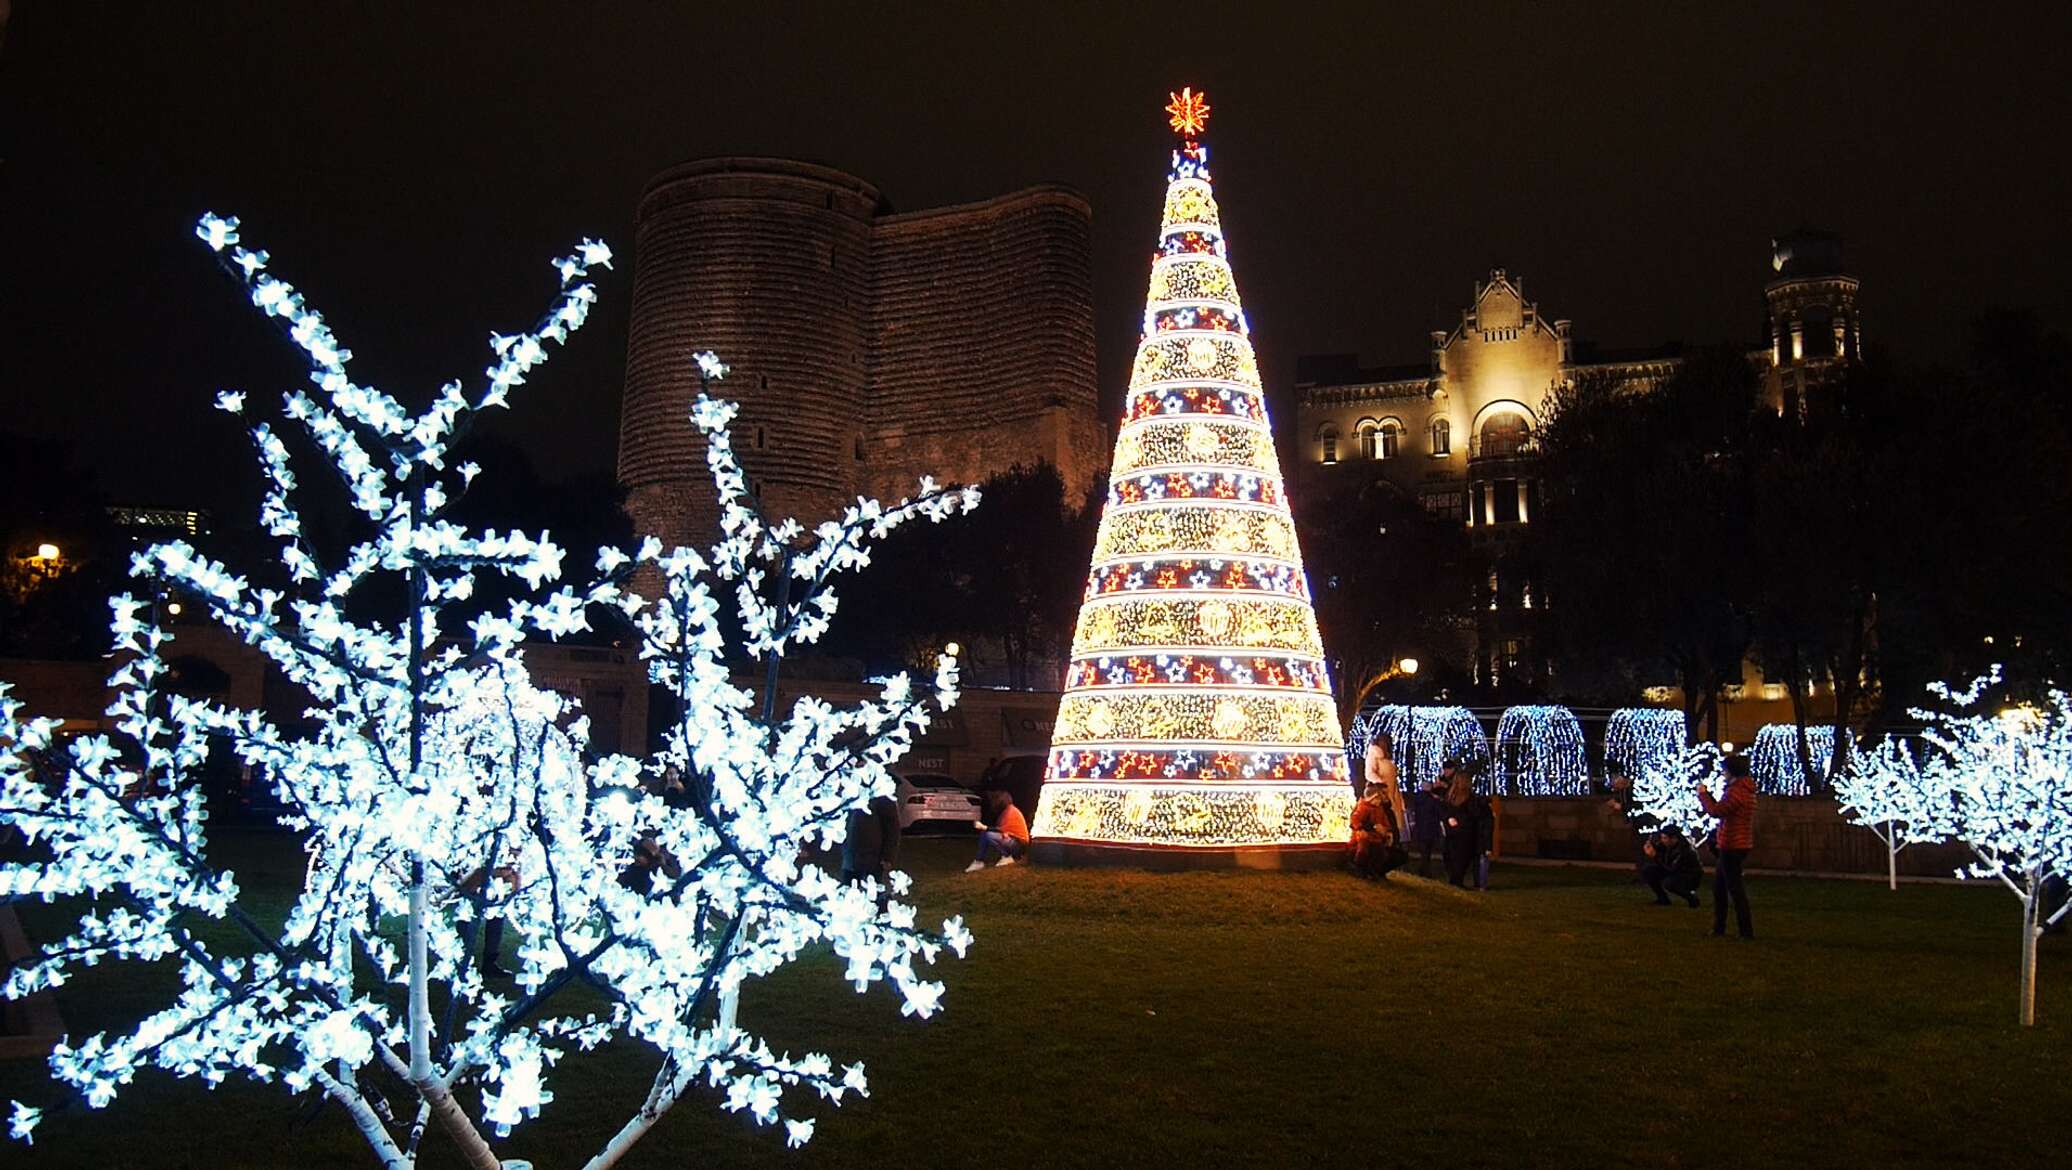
{"points": [[1669, 862], [1446, 814]]}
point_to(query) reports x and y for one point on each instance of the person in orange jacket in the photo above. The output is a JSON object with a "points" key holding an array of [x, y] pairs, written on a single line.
{"points": [[1734, 838], [1007, 838], [1377, 834]]}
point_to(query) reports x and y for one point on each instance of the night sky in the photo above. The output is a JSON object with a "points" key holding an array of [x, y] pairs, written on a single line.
{"points": [[414, 166]]}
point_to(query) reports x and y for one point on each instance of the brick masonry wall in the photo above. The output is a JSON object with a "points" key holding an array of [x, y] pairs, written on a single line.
{"points": [[866, 350], [768, 263], [984, 352]]}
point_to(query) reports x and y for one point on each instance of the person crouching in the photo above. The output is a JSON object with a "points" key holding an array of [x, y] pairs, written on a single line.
{"points": [[1671, 867], [1376, 834], [1007, 836]]}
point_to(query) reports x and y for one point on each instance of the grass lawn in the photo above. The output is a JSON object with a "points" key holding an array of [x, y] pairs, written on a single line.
{"points": [[1114, 1018]]}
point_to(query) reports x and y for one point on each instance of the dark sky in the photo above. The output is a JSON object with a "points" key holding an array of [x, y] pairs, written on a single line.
{"points": [[413, 167]]}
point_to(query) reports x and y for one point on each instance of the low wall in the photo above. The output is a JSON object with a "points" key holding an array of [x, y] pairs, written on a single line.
{"points": [[1801, 833]]}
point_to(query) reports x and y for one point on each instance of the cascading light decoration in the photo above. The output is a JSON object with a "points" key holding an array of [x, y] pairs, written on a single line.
{"points": [[1774, 758], [1540, 753], [1637, 735], [1197, 711], [1424, 738]]}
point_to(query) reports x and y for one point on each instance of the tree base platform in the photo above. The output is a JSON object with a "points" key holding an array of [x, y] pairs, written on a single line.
{"points": [[1175, 859]]}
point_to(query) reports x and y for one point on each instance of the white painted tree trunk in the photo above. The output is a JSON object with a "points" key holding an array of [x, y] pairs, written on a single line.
{"points": [[2030, 931], [431, 1088], [1891, 856], [370, 1124], [667, 1089]]}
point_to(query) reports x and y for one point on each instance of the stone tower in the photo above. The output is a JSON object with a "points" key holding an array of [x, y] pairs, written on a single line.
{"points": [[867, 349], [1813, 328]]}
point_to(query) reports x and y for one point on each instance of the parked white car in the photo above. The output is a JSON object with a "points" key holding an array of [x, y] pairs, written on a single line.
{"points": [[935, 801]]}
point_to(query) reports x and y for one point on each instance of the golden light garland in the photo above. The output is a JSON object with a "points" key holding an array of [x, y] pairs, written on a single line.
{"points": [[1224, 816], [1199, 715], [1109, 625]]}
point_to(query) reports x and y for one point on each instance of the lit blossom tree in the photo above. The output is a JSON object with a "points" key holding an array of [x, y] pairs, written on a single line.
{"points": [[440, 793], [1666, 782], [1880, 791], [2006, 781]]}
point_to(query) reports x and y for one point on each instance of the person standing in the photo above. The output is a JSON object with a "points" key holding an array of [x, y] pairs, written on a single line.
{"points": [[1381, 769], [1734, 839], [1466, 817], [871, 850], [1428, 820], [1637, 821]]}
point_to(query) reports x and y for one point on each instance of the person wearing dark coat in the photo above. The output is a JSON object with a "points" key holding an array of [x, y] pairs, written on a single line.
{"points": [[1672, 867], [1428, 822], [872, 847], [1469, 828]]}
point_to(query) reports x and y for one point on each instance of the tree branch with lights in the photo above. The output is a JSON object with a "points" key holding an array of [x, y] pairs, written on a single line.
{"points": [[2001, 782], [439, 793]]}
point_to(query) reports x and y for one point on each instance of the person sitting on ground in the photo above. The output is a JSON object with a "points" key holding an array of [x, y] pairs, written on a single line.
{"points": [[1008, 837], [1376, 835], [1428, 820], [1672, 867]]}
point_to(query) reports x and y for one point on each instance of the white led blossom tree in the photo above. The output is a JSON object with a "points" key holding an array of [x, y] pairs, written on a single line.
{"points": [[1666, 782], [1880, 791], [440, 791], [2005, 780]]}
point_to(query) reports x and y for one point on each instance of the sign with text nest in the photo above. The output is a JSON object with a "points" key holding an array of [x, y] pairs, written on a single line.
{"points": [[1027, 727]]}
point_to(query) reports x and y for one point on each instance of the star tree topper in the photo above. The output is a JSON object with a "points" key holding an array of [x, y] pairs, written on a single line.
{"points": [[1189, 110]]}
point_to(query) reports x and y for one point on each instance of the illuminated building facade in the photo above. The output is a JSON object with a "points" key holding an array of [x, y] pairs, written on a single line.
{"points": [[1197, 720], [1458, 432]]}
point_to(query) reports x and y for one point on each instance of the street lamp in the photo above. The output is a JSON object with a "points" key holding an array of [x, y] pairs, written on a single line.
{"points": [[48, 552], [1407, 665]]}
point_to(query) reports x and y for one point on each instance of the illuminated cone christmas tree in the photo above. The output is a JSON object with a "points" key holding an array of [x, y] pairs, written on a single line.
{"points": [[1197, 711]]}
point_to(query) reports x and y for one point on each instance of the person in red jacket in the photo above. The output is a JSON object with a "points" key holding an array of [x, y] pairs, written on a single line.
{"points": [[1734, 838]]}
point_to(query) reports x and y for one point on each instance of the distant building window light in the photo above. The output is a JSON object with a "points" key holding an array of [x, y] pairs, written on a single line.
{"points": [[1442, 437], [1387, 448]]}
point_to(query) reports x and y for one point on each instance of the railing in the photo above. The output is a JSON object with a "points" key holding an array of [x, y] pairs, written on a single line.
{"points": [[1502, 447]]}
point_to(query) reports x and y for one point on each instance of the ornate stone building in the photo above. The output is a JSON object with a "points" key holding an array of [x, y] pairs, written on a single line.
{"points": [[1458, 432], [866, 348]]}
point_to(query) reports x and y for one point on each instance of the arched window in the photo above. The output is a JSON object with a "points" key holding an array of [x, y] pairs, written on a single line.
{"points": [[1442, 436], [1379, 438], [1503, 432], [1327, 441]]}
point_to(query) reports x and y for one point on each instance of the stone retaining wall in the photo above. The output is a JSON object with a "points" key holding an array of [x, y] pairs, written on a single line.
{"points": [[1798, 833]]}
